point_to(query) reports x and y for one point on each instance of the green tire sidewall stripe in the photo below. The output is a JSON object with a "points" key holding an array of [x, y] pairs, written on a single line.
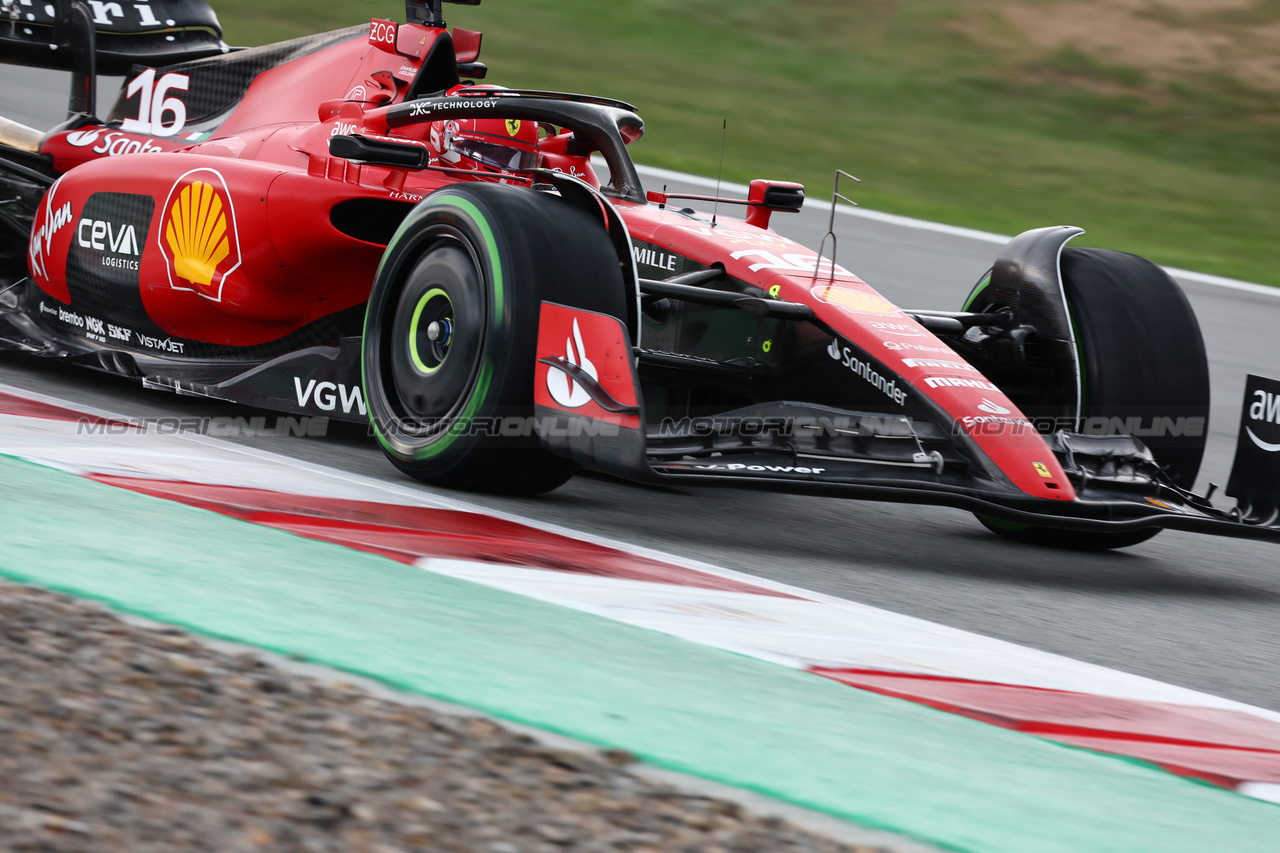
{"points": [[481, 389]]}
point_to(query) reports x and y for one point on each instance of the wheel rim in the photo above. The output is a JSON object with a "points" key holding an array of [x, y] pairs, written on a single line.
{"points": [[431, 331], [436, 338]]}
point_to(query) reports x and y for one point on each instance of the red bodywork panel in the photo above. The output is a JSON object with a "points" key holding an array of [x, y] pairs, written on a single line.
{"points": [[242, 247], [595, 343], [851, 307]]}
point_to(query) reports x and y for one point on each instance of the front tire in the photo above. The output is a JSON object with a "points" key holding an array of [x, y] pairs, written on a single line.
{"points": [[1141, 355], [451, 332]]}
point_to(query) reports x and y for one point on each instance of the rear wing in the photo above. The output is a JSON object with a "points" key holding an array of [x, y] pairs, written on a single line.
{"points": [[108, 38], [157, 33]]}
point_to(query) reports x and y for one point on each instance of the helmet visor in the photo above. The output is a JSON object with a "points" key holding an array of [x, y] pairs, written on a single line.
{"points": [[497, 156]]}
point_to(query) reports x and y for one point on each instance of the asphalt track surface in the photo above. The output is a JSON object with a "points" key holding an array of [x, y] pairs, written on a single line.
{"points": [[1202, 612]]}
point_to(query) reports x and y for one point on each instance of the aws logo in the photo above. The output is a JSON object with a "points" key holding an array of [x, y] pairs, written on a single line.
{"points": [[198, 235], [1264, 409]]}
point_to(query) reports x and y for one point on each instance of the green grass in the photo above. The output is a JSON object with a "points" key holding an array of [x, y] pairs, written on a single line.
{"points": [[938, 124]]}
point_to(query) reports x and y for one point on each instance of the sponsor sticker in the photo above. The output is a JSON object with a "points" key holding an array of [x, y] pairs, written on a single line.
{"points": [[1255, 476], [899, 346], [738, 468], [440, 105], [850, 299], [382, 34], [112, 144], [567, 393], [117, 242], [963, 382], [847, 358], [648, 256], [902, 330], [329, 396], [165, 345], [938, 364], [57, 215], [198, 235]]}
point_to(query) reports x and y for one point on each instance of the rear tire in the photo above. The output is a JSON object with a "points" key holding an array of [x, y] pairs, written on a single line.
{"points": [[1141, 355], [452, 325]]}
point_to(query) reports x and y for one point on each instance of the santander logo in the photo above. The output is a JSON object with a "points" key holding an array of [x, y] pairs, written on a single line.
{"points": [[82, 138], [993, 408], [563, 389]]}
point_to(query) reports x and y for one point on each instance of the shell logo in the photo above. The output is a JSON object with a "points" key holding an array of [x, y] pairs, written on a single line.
{"points": [[857, 301], [198, 235]]}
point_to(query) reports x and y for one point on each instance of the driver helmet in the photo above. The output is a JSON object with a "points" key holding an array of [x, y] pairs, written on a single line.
{"points": [[485, 145]]}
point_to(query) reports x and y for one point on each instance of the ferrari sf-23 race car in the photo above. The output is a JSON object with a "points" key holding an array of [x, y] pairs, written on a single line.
{"points": [[348, 225]]}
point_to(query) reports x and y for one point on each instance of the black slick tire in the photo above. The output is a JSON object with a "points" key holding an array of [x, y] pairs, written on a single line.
{"points": [[451, 332], [1142, 356]]}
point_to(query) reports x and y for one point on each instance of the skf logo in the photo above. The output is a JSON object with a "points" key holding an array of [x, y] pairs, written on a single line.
{"points": [[513, 127], [198, 234], [1042, 469]]}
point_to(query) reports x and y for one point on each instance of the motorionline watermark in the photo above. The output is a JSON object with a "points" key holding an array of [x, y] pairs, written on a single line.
{"points": [[544, 426], [749, 427], [215, 427], [1137, 426], [552, 426]]}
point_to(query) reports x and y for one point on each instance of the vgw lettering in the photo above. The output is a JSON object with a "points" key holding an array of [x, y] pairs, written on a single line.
{"points": [[328, 395]]}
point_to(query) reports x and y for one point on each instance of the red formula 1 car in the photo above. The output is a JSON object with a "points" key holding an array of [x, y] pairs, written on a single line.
{"points": [[340, 225]]}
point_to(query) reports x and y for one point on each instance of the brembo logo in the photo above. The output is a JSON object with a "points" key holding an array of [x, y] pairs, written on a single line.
{"points": [[1265, 409], [561, 386]]}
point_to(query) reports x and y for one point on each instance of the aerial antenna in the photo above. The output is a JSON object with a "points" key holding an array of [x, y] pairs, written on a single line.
{"points": [[724, 131], [831, 225]]}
